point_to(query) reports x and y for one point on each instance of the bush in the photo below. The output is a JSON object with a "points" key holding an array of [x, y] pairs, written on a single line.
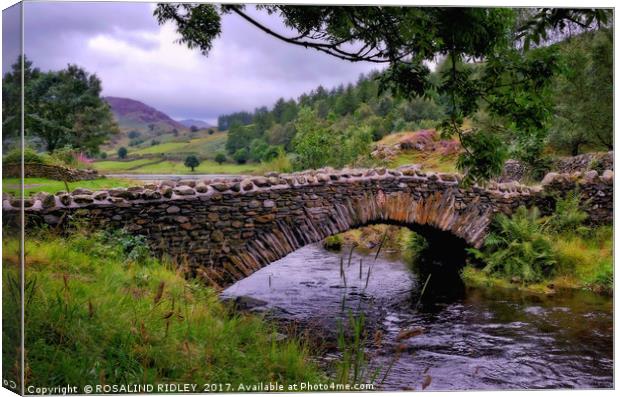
{"points": [[122, 152], [568, 217], [30, 156], [155, 142], [211, 131], [65, 156], [333, 242], [517, 247], [241, 156], [103, 155], [220, 158]]}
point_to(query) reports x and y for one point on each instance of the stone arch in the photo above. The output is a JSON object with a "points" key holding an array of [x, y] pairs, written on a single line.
{"points": [[437, 211]]}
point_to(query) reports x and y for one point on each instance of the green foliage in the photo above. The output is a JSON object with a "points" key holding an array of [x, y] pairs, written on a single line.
{"points": [[314, 142], [102, 310], [334, 242], [30, 156], [241, 156], [483, 157], [518, 247], [62, 108], [567, 217], [133, 134], [122, 152], [583, 94], [192, 162], [220, 157]]}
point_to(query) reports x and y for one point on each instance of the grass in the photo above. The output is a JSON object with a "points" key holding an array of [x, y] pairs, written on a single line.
{"points": [[430, 161], [583, 262], [120, 166], [33, 185], [100, 311], [205, 167]]}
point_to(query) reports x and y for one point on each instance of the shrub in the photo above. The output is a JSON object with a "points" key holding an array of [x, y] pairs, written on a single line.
{"points": [[220, 158], [155, 142], [65, 156], [567, 217], [122, 152], [103, 155], [333, 242], [211, 131], [30, 156], [241, 156], [517, 247]]}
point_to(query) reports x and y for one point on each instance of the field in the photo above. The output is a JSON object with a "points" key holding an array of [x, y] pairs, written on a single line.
{"points": [[33, 185], [168, 158], [150, 166]]}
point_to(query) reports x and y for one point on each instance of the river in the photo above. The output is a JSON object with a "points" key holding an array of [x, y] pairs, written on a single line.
{"points": [[464, 338]]}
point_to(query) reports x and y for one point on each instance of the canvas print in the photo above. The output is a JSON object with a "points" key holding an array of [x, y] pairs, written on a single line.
{"points": [[204, 197]]}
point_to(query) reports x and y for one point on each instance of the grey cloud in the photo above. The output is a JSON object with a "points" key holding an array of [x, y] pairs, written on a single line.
{"points": [[11, 36], [246, 68]]}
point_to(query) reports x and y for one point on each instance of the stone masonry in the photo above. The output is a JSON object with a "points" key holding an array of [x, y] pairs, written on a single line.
{"points": [[223, 231]]}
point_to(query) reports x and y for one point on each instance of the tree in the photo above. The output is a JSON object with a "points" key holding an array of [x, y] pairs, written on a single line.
{"points": [[65, 108], [11, 97], [241, 156], [211, 131], [239, 136], [583, 94], [511, 84], [133, 134], [122, 152], [192, 162], [220, 158], [314, 143], [193, 128]]}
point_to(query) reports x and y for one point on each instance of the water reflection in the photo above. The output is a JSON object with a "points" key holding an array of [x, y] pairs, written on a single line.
{"points": [[471, 339]]}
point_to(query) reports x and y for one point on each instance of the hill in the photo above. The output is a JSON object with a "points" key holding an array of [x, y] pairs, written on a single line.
{"points": [[197, 123], [135, 115]]}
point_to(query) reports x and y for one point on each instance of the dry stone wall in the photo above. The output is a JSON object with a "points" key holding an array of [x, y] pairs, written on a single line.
{"points": [[36, 170], [223, 231]]}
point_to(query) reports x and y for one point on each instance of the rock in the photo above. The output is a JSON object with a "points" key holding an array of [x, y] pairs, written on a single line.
{"points": [[273, 180], [236, 187], [590, 176], [83, 199], [173, 209], [100, 195], [184, 191], [181, 219], [167, 183], [151, 195], [269, 204], [81, 191], [322, 178], [549, 178], [261, 181], [247, 185], [608, 176], [150, 186], [187, 182], [213, 217], [272, 174], [202, 188], [166, 191], [220, 186]]}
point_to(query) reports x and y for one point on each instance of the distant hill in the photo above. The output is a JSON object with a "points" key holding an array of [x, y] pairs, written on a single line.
{"points": [[198, 123], [135, 115]]}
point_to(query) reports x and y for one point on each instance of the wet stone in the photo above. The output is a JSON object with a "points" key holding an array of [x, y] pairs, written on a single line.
{"points": [[184, 191], [173, 209]]}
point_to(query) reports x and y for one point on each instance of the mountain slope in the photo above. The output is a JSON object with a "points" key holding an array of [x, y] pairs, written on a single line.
{"points": [[135, 115], [198, 123]]}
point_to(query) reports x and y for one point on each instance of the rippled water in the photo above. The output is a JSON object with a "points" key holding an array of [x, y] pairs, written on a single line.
{"points": [[472, 339]]}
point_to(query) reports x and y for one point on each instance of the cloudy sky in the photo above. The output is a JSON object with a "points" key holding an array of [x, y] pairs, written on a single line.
{"points": [[136, 58]]}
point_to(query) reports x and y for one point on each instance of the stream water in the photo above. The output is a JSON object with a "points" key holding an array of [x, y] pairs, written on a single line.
{"points": [[465, 339]]}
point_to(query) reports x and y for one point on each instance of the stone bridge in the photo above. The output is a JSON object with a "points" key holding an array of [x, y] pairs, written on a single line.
{"points": [[223, 231]]}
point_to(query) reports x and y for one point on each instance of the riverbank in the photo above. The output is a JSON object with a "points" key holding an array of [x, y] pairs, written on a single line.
{"points": [[100, 310]]}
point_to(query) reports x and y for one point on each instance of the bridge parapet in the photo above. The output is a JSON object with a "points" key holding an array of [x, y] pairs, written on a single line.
{"points": [[227, 229]]}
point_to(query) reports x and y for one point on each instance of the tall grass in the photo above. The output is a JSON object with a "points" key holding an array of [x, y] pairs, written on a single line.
{"points": [[102, 311]]}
